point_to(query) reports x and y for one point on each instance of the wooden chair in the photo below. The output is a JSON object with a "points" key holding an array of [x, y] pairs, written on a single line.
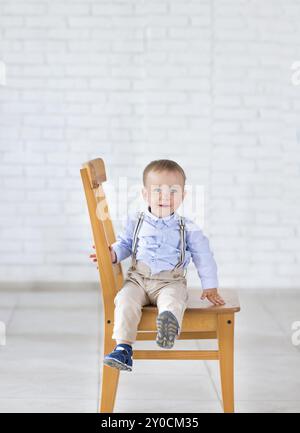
{"points": [[200, 320]]}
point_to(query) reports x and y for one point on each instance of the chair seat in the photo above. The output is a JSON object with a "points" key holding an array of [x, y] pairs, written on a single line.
{"points": [[199, 314], [204, 306]]}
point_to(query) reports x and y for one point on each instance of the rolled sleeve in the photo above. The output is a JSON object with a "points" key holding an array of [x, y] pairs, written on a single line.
{"points": [[203, 257]]}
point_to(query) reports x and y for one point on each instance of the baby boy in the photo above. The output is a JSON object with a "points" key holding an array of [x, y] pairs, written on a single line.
{"points": [[161, 244]]}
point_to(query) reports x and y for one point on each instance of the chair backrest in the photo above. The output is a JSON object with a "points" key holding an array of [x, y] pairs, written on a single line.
{"points": [[111, 276]]}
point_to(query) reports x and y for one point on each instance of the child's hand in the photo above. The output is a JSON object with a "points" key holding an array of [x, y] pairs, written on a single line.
{"points": [[112, 255], [94, 257], [213, 296]]}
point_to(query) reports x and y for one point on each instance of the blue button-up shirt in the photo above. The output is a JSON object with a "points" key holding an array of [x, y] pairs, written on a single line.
{"points": [[158, 246]]}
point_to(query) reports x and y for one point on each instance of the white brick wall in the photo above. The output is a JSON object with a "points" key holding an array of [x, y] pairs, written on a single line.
{"points": [[207, 83]]}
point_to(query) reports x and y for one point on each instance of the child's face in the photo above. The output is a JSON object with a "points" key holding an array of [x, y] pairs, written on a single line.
{"points": [[164, 192]]}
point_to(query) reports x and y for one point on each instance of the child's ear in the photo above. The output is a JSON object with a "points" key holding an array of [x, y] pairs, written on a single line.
{"points": [[184, 193]]}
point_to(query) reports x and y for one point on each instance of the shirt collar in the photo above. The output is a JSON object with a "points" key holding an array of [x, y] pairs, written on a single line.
{"points": [[168, 220]]}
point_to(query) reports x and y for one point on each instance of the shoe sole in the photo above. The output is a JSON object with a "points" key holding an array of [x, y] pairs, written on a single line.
{"points": [[167, 328], [110, 362]]}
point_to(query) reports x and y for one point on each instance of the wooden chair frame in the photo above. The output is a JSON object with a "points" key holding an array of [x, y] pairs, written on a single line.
{"points": [[201, 321]]}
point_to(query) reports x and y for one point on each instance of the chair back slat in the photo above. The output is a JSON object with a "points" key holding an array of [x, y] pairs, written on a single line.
{"points": [[111, 276], [109, 232]]}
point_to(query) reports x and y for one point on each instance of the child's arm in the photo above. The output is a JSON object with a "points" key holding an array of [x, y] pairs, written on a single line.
{"points": [[203, 258], [123, 245], [120, 249]]}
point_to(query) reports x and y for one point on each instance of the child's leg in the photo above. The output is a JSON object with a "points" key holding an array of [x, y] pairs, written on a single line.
{"points": [[124, 342], [127, 315], [173, 298], [128, 311]]}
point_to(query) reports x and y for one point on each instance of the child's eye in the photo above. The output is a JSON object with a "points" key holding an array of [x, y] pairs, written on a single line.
{"points": [[172, 191]]}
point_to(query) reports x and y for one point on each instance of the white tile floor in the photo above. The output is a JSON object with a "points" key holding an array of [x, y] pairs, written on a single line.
{"points": [[52, 358]]}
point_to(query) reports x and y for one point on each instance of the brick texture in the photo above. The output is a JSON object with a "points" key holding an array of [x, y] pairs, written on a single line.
{"points": [[214, 85]]}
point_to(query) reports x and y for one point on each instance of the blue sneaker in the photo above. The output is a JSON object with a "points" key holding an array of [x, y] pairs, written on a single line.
{"points": [[120, 357]]}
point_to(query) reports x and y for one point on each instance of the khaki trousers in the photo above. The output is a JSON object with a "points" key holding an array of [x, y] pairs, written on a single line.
{"points": [[166, 289]]}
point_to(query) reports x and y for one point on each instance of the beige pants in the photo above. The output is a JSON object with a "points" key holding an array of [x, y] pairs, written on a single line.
{"points": [[166, 289]]}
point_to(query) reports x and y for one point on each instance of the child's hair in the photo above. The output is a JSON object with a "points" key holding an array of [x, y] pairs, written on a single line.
{"points": [[161, 165]]}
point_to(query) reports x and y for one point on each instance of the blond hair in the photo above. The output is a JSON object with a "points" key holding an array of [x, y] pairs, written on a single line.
{"points": [[161, 165]]}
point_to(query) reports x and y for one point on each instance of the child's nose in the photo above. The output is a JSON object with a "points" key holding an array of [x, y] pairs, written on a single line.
{"points": [[165, 196]]}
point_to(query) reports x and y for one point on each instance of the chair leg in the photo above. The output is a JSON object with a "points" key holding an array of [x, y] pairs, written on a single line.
{"points": [[225, 333], [110, 381]]}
